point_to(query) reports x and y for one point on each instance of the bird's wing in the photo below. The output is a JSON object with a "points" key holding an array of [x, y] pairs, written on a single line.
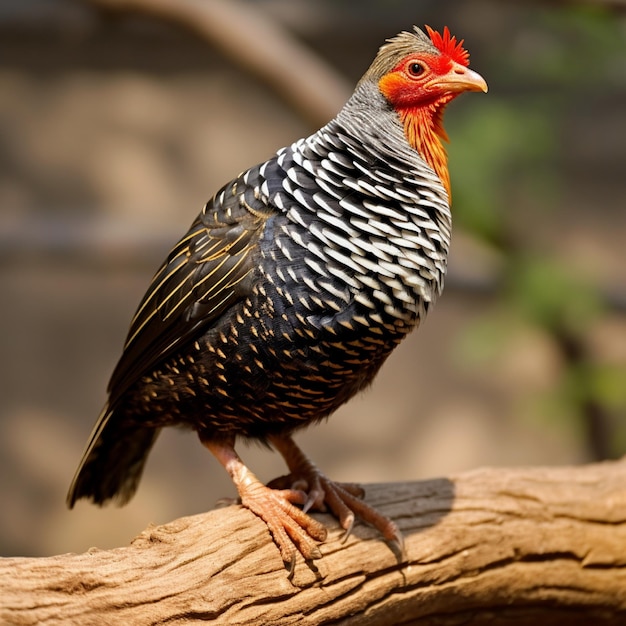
{"points": [[203, 276]]}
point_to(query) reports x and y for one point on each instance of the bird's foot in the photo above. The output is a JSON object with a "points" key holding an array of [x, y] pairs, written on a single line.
{"points": [[292, 529], [343, 499]]}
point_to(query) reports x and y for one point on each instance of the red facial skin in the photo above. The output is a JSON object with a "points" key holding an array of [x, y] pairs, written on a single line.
{"points": [[419, 88]]}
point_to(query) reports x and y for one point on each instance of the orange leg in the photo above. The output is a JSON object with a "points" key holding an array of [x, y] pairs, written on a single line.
{"points": [[292, 529]]}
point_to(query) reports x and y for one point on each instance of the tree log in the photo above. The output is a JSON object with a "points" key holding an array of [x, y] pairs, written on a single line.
{"points": [[495, 546]]}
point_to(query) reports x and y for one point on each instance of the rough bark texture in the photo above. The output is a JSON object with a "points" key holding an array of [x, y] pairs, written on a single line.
{"points": [[495, 546]]}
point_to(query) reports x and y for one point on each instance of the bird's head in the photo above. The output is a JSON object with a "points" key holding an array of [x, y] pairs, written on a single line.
{"points": [[419, 75]]}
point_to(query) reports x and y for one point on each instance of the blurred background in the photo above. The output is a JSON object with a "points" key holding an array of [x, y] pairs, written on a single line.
{"points": [[118, 122]]}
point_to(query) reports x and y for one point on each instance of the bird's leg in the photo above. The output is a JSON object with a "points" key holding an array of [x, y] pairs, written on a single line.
{"points": [[343, 499], [292, 529]]}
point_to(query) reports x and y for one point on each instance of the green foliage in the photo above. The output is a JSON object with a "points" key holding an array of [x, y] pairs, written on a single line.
{"points": [[549, 295], [607, 383], [583, 388], [592, 33]]}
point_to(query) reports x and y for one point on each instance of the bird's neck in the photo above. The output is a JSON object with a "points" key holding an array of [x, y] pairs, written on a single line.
{"points": [[423, 127]]}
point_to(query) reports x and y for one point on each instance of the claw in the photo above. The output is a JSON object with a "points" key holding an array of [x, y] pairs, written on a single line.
{"points": [[315, 500], [291, 567], [308, 504], [348, 530], [401, 547]]}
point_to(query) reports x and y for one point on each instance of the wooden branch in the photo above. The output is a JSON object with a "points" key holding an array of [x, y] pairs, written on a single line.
{"points": [[496, 546], [247, 36]]}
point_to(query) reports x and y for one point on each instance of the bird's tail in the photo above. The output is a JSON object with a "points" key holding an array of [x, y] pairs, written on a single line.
{"points": [[113, 461]]}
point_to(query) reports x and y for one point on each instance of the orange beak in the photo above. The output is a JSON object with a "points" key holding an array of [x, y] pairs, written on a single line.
{"points": [[458, 79]]}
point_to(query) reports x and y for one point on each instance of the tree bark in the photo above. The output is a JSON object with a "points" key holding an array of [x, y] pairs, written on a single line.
{"points": [[495, 546]]}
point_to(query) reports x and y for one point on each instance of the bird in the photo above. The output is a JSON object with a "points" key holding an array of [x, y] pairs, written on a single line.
{"points": [[287, 294]]}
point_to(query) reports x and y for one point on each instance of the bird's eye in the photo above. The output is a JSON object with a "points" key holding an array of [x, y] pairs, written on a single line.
{"points": [[415, 68]]}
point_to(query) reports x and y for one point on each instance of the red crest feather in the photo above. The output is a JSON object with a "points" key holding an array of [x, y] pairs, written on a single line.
{"points": [[448, 45]]}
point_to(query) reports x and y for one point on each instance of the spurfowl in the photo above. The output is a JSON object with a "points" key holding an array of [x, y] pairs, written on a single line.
{"points": [[289, 291]]}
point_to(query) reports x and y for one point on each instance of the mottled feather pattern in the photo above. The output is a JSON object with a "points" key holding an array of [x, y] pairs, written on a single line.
{"points": [[338, 258], [343, 265], [286, 295]]}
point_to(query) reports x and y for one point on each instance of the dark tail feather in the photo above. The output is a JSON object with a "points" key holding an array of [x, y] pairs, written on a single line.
{"points": [[113, 461]]}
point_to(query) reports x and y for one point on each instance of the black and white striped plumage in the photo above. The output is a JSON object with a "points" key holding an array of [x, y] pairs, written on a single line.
{"points": [[285, 297]]}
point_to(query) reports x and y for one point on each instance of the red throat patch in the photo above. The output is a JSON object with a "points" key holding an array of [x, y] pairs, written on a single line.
{"points": [[424, 131], [448, 45]]}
